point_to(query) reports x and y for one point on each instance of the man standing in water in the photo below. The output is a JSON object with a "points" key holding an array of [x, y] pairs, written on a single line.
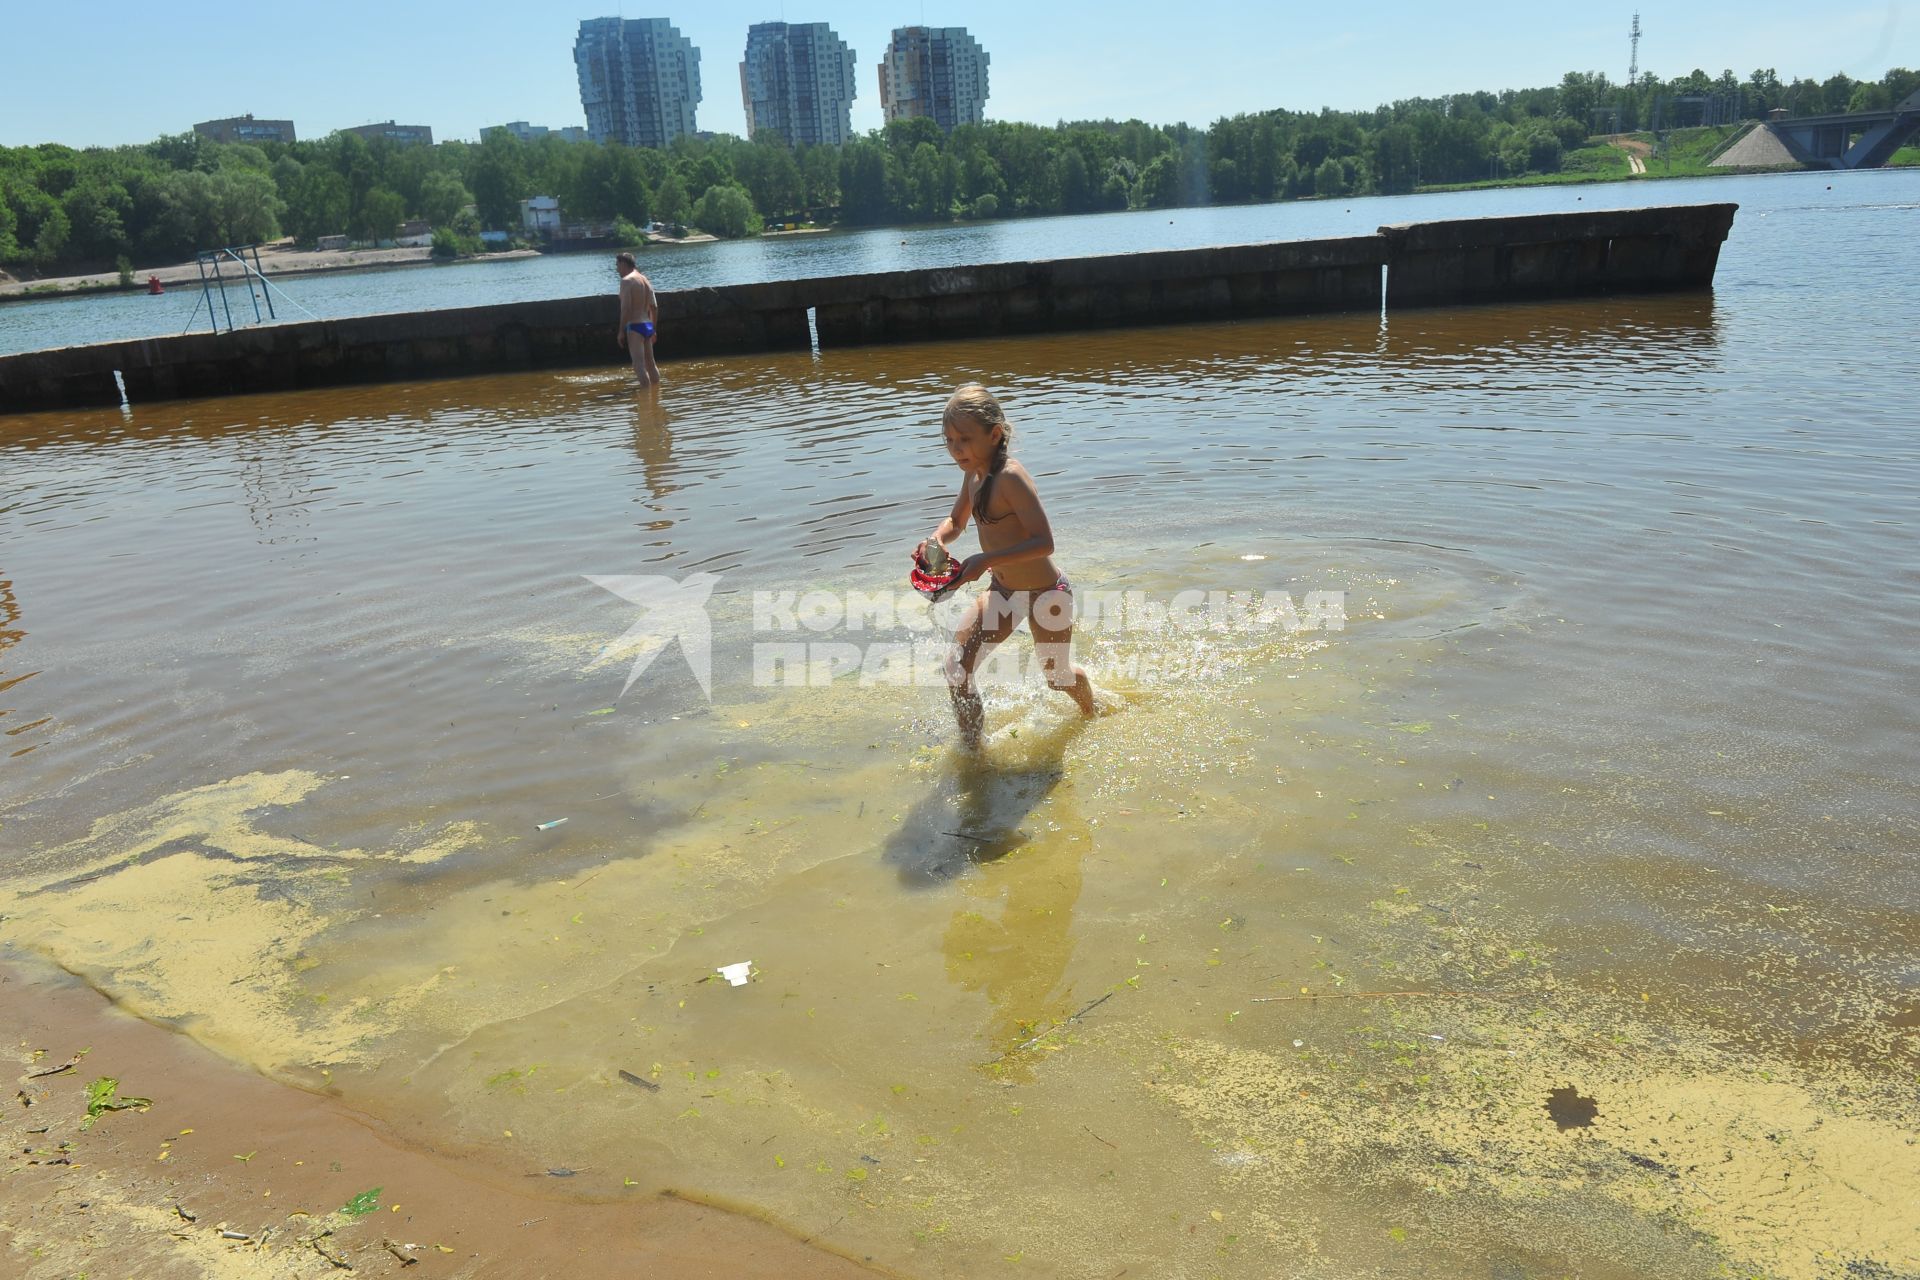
{"points": [[639, 313]]}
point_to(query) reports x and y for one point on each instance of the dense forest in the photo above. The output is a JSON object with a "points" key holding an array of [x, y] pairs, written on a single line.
{"points": [[63, 210]]}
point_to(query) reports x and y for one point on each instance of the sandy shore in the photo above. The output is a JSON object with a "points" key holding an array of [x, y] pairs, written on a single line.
{"points": [[283, 259], [274, 262], [229, 1175]]}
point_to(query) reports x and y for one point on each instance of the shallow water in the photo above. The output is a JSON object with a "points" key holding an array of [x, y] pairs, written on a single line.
{"points": [[1614, 753]]}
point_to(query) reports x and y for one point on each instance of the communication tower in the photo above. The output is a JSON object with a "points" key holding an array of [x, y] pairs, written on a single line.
{"points": [[1633, 63]]}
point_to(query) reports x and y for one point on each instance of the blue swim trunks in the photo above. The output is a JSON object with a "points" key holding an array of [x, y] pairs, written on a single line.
{"points": [[642, 327]]}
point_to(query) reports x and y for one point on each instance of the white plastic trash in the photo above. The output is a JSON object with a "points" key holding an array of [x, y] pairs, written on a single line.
{"points": [[736, 974]]}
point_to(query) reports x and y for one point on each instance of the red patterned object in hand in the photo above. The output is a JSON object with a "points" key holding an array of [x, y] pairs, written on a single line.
{"points": [[932, 585]]}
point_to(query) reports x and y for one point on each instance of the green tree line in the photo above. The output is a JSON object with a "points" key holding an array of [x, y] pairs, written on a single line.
{"points": [[65, 210]]}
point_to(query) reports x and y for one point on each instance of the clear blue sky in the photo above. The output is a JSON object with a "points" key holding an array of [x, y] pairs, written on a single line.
{"points": [[113, 71]]}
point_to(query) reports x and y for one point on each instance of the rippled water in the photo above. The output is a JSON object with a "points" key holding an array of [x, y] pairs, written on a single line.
{"points": [[1612, 760]]}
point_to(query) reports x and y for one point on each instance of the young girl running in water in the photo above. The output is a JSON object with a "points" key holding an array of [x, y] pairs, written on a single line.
{"points": [[1016, 554]]}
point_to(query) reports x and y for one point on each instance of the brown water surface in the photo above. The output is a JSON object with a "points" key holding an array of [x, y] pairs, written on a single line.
{"points": [[1612, 761]]}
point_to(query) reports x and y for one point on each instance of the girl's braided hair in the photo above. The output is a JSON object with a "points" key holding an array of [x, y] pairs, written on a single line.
{"points": [[976, 402]]}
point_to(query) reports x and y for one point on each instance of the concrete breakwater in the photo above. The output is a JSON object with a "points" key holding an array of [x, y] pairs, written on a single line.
{"points": [[1424, 264]]}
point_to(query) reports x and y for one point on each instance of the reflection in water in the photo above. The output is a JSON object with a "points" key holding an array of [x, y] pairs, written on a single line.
{"points": [[11, 634], [1670, 329], [278, 487], [653, 443]]}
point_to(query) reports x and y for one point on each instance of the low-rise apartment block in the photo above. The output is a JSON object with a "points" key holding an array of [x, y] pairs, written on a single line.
{"points": [[401, 135], [246, 129]]}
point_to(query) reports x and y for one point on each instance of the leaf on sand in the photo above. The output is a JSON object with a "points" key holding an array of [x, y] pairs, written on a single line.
{"points": [[101, 1099], [364, 1203]]}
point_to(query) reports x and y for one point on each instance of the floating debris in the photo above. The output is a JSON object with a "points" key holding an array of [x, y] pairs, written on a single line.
{"points": [[642, 1081], [548, 826], [68, 1065], [1084, 1011], [736, 974]]}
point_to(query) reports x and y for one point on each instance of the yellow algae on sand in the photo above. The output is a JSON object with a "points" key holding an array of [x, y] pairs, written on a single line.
{"points": [[185, 939], [185, 911], [218, 818], [215, 817], [1770, 1168]]}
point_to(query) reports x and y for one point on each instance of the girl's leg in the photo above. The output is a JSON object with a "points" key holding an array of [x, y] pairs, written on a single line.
{"points": [[1052, 625], [985, 625]]}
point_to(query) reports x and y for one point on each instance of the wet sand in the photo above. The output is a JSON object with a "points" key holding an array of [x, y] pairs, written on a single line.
{"points": [[149, 1192]]}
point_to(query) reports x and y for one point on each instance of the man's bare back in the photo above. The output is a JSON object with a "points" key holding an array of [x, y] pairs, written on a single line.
{"points": [[639, 319]]}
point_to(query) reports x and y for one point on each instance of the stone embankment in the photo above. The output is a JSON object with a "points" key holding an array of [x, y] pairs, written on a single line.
{"points": [[1413, 265]]}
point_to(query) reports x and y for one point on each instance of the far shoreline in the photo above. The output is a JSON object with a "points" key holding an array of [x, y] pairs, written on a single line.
{"points": [[275, 262], [282, 259]]}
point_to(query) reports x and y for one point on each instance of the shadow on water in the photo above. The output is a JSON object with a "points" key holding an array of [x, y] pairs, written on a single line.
{"points": [[1011, 936], [977, 813]]}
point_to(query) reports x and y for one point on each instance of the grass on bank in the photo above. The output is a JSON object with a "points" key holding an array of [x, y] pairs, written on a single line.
{"points": [[1686, 154], [1596, 162]]}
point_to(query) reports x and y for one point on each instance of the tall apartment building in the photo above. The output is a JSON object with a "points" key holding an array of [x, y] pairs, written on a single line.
{"points": [[797, 81], [639, 80], [246, 129], [934, 71]]}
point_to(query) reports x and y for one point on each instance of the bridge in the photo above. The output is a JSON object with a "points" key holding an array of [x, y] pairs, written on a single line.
{"points": [[1860, 140]]}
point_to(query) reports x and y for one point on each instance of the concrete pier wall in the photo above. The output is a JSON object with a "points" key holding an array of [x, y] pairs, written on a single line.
{"points": [[1426, 264], [1555, 255]]}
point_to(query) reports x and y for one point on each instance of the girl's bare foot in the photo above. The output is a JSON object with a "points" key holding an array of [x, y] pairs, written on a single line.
{"points": [[1081, 691], [971, 714]]}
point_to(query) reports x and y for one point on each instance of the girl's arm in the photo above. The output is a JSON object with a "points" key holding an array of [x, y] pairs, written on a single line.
{"points": [[953, 525]]}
